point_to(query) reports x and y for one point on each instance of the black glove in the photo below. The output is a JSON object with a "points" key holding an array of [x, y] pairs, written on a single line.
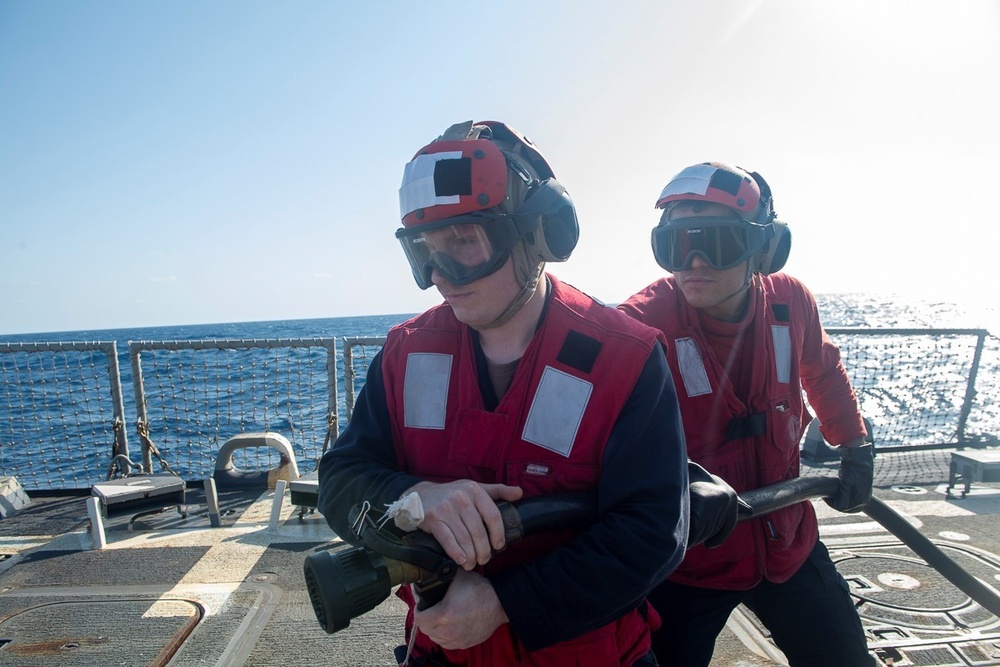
{"points": [[715, 507], [857, 467]]}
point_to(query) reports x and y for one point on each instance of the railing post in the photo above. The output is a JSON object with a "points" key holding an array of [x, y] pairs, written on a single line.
{"points": [[141, 420], [349, 376], [120, 445], [970, 390], [332, 418], [349, 344]]}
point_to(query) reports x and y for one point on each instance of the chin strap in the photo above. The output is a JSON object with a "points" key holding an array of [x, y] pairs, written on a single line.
{"points": [[748, 282], [527, 272], [522, 297]]}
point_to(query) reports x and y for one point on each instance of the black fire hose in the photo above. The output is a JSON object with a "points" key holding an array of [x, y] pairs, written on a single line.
{"points": [[771, 498], [923, 547], [347, 583]]}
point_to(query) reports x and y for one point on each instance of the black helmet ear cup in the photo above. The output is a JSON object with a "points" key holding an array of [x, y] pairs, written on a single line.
{"points": [[549, 214], [774, 254], [560, 232]]}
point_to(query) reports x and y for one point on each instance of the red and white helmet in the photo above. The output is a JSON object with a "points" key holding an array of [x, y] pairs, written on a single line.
{"points": [[756, 235], [488, 187], [746, 193], [456, 174]]}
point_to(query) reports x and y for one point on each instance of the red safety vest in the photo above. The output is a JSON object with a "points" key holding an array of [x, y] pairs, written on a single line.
{"points": [[749, 443], [547, 435]]}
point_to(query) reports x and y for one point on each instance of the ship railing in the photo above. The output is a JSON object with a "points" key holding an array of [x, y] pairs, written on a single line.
{"points": [[191, 396], [63, 415], [927, 398], [358, 353], [942, 389]]}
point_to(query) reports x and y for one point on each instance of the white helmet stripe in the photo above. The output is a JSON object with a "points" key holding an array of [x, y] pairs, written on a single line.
{"points": [[692, 181], [417, 190]]}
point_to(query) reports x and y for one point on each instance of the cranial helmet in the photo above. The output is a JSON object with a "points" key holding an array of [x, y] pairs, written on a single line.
{"points": [[753, 234], [477, 195]]}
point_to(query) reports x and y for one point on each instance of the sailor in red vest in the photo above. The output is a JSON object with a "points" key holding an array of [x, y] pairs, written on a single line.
{"points": [[743, 342], [517, 385]]}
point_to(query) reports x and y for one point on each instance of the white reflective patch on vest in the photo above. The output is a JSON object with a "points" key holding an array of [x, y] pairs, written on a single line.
{"points": [[417, 190], [556, 411], [425, 390], [692, 367], [782, 338]]}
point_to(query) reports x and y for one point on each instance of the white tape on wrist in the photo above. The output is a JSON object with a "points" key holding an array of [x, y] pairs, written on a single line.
{"points": [[407, 512]]}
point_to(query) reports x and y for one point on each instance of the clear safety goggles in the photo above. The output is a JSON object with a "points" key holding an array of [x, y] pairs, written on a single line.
{"points": [[461, 248], [722, 242]]}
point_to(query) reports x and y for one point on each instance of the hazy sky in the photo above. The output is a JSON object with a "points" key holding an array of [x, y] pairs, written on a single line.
{"points": [[180, 162]]}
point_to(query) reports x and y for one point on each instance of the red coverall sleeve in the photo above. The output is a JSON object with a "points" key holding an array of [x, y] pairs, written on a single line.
{"points": [[825, 380]]}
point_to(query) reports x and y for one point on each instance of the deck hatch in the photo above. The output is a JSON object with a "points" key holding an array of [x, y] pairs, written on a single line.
{"points": [[83, 632]]}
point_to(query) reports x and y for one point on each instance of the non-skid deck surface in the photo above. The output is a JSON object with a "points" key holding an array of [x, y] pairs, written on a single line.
{"points": [[170, 588]]}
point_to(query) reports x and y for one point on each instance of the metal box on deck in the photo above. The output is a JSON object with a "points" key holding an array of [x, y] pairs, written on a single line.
{"points": [[305, 489], [140, 491], [12, 496], [973, 466]]}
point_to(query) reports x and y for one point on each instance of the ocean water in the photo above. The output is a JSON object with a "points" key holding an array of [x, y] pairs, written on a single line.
{"points": [[836, 310], [56, 410], [370, 325], [932, 415]]}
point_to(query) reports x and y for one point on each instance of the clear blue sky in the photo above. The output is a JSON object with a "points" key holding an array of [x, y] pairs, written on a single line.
{"points": [[180, 162]]}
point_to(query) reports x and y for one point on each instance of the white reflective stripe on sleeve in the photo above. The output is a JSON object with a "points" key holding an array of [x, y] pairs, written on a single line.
{"points": [[557, 410], [782, 352], [425, 390], [417, 190], [692, 181], [692, 367]]}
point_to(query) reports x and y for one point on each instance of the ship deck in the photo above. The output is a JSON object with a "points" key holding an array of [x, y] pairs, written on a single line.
{"points": [[169, 588]]}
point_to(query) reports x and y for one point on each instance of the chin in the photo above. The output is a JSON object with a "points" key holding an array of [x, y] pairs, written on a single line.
{"points": [[467, 317], [699, 299]]}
